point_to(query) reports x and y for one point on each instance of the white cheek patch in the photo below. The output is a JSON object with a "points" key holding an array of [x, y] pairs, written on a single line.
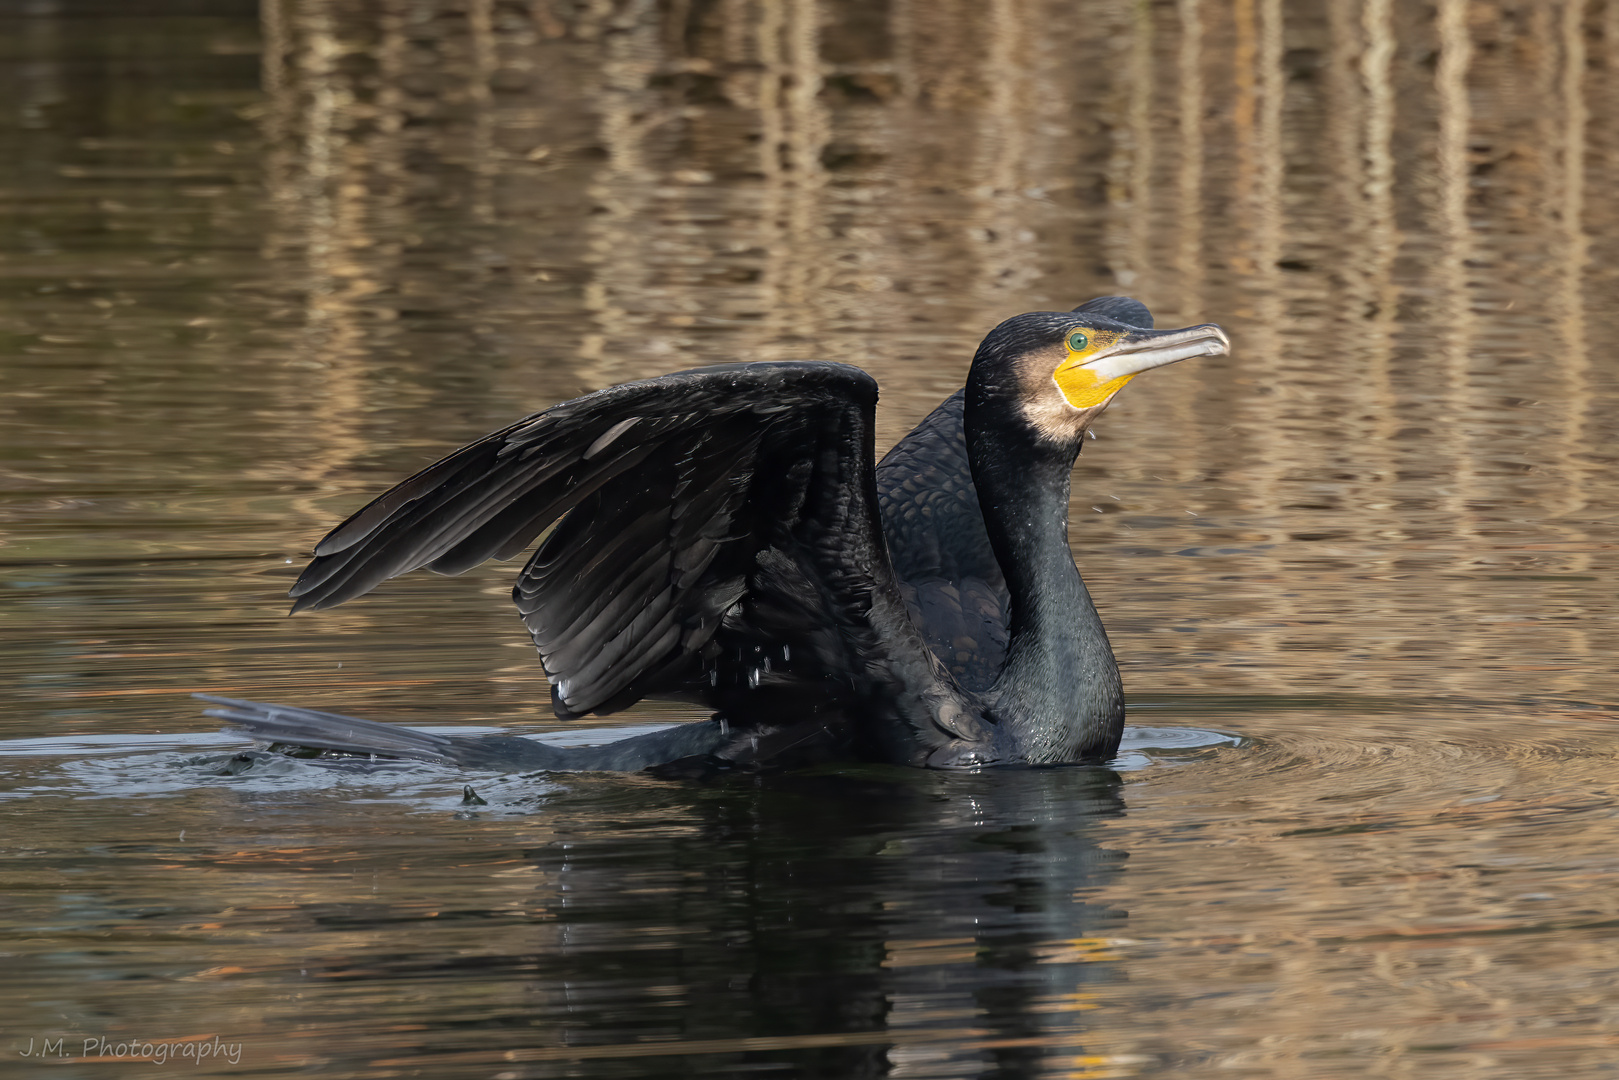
{"points": [[1055, 418]]}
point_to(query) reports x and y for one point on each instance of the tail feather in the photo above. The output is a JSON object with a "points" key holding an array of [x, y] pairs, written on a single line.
{"points": [[503, 753], [329, 731]]}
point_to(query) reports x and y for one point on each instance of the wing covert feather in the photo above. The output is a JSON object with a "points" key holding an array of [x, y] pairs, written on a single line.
{"points": [[941, 552]]}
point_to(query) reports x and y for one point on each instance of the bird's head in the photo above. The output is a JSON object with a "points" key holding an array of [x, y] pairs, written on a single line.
{"points": [[1057, 370]]}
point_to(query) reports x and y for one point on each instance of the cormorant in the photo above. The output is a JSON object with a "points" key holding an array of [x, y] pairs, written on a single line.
{"points": [[725, 536]]}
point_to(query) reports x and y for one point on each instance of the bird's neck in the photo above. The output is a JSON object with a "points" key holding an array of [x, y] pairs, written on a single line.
{"points": [[1058, 696]]}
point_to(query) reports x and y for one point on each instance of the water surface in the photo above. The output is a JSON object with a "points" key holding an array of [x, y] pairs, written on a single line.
{"points": [[258, 264]]}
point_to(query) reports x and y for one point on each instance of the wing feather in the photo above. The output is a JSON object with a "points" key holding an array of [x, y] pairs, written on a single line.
{"points": [[718, 532]]}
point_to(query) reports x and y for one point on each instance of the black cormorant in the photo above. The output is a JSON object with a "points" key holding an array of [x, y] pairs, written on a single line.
{"points": [[726, 537]]}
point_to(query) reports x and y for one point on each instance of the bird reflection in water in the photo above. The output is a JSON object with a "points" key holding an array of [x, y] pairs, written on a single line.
{"points": [[725, 536], [842, 921]]}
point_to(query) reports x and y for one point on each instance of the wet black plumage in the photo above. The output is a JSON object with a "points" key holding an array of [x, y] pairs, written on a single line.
{"points": [[725, 537]]}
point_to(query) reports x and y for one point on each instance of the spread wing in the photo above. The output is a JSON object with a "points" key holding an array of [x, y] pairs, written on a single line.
{"points": [[718, 540]]}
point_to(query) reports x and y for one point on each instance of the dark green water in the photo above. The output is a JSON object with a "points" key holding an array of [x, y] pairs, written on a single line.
{"points": [[255, 265]]}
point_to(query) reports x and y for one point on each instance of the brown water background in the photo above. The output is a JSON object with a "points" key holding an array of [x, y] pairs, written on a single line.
{"points": [[258, 263]]}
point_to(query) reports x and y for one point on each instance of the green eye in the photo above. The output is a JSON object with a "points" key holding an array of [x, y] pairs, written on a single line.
{"points": [[1077, 341]]}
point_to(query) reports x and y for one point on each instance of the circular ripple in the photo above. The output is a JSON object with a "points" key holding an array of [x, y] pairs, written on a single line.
{"points": [[1144, 746]]}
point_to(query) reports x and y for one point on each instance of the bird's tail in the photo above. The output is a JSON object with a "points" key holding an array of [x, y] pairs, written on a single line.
{"points": [[503, 753]]}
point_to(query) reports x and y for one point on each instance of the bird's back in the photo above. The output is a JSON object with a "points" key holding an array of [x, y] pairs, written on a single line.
{"points": [[940, 550]]}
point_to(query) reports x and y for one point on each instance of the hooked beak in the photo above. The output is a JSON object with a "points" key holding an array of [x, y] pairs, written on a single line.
{"points": [[1142, 350]]}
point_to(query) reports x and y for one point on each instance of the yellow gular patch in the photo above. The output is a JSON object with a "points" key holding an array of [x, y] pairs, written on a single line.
{"points": [[1081, 387]]}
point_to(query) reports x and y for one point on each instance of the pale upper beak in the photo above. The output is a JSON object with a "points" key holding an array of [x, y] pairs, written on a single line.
{"points": [[1142, 350]]}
